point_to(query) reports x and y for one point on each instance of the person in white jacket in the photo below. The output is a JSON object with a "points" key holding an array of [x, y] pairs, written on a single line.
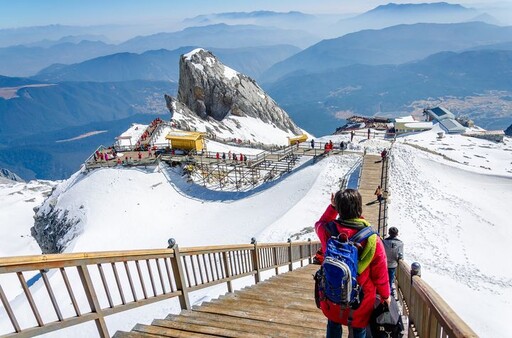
{"points": [[394, 252]]}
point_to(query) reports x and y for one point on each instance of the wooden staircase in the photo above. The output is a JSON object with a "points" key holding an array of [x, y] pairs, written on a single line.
{"points": [[282, 306], [370, 179]]}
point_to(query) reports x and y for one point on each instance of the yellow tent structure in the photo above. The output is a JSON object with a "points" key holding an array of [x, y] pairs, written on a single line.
{"points": [[186, 140], [297, 139]]}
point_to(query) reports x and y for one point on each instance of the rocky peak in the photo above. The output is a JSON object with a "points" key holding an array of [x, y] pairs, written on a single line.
{"points": [[9, 175], [212, 90], [508, 131]]}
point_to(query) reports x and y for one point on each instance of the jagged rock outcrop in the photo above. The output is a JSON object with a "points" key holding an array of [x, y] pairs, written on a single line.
{"points": [[213, 91], [508, 131], [9, 175], [56, 225], [53, 230]]}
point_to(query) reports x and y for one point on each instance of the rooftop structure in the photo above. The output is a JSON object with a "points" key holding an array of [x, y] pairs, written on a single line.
{"points": [[451, 126], [439, 113], [408, 124], [186, 140]]}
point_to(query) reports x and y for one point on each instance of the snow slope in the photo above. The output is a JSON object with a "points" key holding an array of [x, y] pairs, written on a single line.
{"points": [[455, 220], [17, 202], [445, 210], [131, 209]]}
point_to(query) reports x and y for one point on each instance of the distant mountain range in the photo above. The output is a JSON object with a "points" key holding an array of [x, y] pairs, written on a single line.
{"points": [[162, 64], [31, 123], [313, 100], [394, 14], [36, 35], [76, 103], [393, 45], [290, 20], [220, 36], [255, 15], [27, 61]]}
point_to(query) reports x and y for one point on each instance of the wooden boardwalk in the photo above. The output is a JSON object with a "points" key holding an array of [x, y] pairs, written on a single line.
{"points": [[371, 172], [282, 306]]}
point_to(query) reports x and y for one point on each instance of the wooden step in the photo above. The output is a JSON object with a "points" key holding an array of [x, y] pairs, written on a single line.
{"points": [[131, 334], [168, 332], [282, 306], [252, 329], [199, 328], [277, 329], [305, 318]]}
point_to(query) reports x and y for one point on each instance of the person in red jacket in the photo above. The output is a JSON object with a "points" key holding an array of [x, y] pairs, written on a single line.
{"points": [[372, 265]]}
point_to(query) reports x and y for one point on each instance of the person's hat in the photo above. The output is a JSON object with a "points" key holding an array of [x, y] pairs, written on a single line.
{"points": [[393, 231]]}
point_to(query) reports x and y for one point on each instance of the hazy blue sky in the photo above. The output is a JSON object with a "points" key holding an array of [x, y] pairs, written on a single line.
{"points": [[20, 13]]}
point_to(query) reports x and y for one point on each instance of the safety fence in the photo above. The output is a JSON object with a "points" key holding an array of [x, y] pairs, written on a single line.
{"points": [[429, 315], [382, 224], [82, 287]]}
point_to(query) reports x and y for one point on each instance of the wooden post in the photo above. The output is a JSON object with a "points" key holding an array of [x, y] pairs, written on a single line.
{"points": [[255, 261], [274, 250], [179, 276], [290, 266], [90, 293], [415, 303], [379, 222], [301, 256], [228, 270], [310, 259]]}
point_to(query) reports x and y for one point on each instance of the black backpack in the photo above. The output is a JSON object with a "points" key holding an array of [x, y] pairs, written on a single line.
{"points": [[386, 322]]}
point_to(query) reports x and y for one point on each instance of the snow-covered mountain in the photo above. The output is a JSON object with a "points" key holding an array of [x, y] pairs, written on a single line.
{"points": [[217, 99], [447, 197], [7, 175]]}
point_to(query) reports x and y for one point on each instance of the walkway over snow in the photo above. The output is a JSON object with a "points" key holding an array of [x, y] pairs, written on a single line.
{"points": [[282, 306], [371, 173]]}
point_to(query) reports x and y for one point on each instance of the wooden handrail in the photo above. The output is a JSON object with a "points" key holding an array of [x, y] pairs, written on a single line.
{"points": [[170, 273], [429, 314], [27, 263], [141, 277]]}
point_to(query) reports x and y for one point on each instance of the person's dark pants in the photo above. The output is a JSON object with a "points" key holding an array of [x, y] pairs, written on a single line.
{"points": [[391, 274], [334, 330]]}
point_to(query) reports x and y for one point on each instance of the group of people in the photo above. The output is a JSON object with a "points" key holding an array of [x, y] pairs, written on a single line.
{"points": [[105, 155], [376, 267], [231, 156], [329, 145], [141, 143]]}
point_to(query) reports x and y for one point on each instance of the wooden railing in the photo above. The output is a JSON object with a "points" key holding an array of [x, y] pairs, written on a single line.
{"points": [[429, 315], [111, 282], [382, 225]]}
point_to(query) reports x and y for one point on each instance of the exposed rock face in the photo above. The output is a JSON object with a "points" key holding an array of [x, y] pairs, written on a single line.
{"points": [[52, 230], [508, 131], [9, 175], [211, 90]]}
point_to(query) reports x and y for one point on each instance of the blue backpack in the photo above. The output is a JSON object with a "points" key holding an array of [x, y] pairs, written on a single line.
{"points": [[336, 279]]}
